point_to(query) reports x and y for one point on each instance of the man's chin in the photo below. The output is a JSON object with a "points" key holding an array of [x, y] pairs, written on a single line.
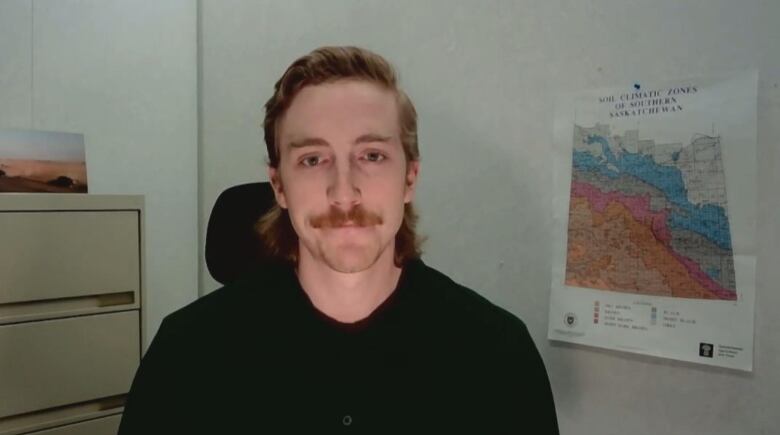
{"points": [[351, 259], [347, 255], [350, 264]]}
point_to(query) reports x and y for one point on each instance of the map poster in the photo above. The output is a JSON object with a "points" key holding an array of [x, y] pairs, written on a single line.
{"points": [[654, 217]]}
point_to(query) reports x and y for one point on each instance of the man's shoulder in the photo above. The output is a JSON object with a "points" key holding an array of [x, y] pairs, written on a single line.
{"points": [[466, 308], [237, 300]]}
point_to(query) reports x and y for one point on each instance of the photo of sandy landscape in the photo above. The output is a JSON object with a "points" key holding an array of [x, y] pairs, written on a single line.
{"points": [[41, 161]]}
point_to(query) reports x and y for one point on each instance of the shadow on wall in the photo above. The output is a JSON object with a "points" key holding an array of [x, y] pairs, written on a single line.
{"points": [[484, 202]]}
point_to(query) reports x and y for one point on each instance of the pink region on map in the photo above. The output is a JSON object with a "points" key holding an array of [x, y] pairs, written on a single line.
{"points": [[639, 207]]}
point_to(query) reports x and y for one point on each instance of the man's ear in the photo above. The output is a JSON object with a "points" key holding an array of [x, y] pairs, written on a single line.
{"points": [[276, 183], [412, 170]]}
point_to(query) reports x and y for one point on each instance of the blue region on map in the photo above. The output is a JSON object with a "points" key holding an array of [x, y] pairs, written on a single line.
{"points": [[708, 220]]}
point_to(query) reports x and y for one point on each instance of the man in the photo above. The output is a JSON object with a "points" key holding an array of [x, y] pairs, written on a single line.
{"points": [[348, 330]]}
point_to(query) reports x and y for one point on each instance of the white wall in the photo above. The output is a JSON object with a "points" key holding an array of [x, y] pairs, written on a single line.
{"points": [[483, 76], [123, 73]]}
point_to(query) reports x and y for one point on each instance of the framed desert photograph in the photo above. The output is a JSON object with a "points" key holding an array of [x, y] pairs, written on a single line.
{"points": [[42, 161]]}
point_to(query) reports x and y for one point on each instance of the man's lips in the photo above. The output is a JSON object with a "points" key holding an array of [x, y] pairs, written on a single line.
{"points": [[348, 226]]}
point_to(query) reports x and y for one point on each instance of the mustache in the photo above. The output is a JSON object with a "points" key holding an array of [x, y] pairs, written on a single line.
{"points": [[336, 217]]}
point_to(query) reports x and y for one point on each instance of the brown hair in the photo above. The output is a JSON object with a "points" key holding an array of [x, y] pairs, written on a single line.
{"points": [[324, 65]]}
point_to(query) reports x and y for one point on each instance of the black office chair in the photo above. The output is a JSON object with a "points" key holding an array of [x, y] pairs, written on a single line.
{"points": [[232, 244]]}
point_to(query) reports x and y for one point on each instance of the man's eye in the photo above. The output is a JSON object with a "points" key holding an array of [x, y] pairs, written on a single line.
{"points": [[310, 161], [374, 157]]}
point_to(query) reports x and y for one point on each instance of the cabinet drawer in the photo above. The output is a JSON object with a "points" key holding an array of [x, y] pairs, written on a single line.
{"points": [[98, 426], [64, 255], [59, 362]]}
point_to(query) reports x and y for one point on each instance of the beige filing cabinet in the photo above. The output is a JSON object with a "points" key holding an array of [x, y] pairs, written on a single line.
{"points": [[71, 292]]}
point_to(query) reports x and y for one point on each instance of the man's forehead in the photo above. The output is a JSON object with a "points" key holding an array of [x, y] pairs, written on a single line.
{"points": [[354, 112]]}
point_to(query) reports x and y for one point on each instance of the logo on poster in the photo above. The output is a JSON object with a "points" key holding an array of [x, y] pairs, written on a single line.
{"points": [[705, 350], [570, 320]]}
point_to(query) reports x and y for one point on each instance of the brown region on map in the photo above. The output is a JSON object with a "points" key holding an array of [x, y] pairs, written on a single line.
{"points": [[611, 250]]}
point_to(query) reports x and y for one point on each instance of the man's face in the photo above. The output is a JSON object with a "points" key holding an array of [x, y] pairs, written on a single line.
{"points": [[343, 175]]}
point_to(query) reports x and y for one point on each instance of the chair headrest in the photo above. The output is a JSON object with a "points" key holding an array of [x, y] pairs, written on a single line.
{"points": [[232, 244]]}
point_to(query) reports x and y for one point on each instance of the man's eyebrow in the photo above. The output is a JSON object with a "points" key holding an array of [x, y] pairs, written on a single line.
{"points": [[317, 141], [309, 141], [372, 137]]}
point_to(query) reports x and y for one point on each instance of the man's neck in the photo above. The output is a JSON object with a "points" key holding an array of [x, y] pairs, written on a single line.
{"points": [[348, 297]]}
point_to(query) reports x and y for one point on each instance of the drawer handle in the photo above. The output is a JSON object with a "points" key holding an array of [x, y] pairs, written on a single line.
{"points": [[53, 308], [68, 414]]}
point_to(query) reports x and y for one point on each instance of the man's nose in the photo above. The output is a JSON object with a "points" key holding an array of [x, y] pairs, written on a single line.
{"points": [[343, 190]]}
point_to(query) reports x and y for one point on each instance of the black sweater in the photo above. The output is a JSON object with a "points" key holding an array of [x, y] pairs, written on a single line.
{"points": [[257, 357]]}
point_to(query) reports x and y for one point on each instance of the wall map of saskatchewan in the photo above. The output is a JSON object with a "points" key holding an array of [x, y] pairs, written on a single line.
{"points": [[649, 218]]}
